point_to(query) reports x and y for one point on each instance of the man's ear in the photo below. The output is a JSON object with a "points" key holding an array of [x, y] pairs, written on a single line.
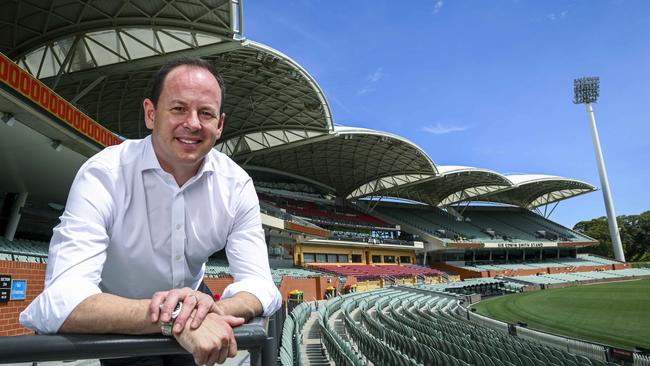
{"points": [[149, 113], [220, 125]]}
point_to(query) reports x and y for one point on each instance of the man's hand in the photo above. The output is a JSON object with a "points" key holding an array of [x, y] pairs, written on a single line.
{"points": [[163, 303], [213, 341]]}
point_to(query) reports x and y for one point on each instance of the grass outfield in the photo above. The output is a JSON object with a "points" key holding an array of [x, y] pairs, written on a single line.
{"points": [[616, 314]]}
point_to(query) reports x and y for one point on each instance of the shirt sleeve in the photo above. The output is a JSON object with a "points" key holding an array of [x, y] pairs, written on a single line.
{"points": [[247, 254], [77, 251]]}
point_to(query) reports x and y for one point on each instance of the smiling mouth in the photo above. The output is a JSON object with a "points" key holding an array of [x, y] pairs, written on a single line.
{"points": [[189, 142]]}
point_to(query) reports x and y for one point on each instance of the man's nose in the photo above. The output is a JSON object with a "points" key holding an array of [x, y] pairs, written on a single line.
{"points": [[192, 122]]}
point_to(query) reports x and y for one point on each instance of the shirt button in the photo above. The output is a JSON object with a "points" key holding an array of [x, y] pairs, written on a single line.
{"points": [[178, 257], [178, 226]]}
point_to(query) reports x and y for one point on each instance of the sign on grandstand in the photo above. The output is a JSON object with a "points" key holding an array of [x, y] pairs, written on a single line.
{"points": [[18, 290], [5, 287], [520, 245]]}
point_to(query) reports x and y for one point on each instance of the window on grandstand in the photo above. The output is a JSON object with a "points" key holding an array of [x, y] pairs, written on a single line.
{"points": [[550, 254], [321, 258], [454, 256], [331, 258], [498, 255], [389, 259], [343, 258], [309, 257], [405, 259], [376, 259], [356, 258]]}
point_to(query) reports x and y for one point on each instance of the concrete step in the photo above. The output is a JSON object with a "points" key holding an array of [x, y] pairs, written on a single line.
{"points": [[312, 349]]}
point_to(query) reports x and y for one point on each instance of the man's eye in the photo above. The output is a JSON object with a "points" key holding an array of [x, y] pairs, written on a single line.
{"points": [[206, 114], [178, 109]]}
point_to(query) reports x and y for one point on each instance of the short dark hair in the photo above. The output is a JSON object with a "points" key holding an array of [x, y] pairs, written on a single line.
{"points": [[161, 75]]}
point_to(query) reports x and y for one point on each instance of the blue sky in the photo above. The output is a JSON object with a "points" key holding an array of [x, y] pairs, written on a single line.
{"points": [[484, 83]]}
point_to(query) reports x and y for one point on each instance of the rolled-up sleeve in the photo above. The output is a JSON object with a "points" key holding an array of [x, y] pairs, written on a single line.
{"points": [[77, 252], [247, 254]]}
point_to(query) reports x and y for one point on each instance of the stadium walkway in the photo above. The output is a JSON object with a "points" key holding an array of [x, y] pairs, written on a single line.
{"points": [[311, 345]]}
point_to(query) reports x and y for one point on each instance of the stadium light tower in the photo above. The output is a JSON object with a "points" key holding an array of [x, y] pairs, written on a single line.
{"points": [[587, 90]]}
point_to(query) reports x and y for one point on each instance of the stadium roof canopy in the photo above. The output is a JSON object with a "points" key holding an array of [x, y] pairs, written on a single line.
{"points": [[101, 56], [345, 160], [453, 184], [531, 191], [33, 23]]}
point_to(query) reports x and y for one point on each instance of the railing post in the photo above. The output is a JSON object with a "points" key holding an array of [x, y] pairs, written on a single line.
{"points": [[256, 356], [270, 347], [269, 354]]}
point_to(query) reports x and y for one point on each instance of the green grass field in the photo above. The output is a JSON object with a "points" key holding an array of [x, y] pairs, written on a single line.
{"points": [[616, 314]]}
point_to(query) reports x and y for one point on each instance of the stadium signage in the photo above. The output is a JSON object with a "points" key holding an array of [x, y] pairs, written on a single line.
{"points": [[5, 287], [519, 245], [18, 290], [24, 83]]}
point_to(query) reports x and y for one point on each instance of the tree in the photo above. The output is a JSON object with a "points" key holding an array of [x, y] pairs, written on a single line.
{"points": [[635, 236]]}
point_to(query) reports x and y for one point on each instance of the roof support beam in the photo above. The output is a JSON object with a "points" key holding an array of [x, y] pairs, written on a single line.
{"points": [[89, 26], [290, 175], [150, 62], [289, 145], [87, 89], [66, 61]]}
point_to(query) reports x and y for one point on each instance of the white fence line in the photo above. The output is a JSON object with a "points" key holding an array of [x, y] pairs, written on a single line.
{"points": [[641, 360], [577, 347], [488, 322]]}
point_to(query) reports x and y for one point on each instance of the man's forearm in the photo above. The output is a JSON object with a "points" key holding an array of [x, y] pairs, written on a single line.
{"points": [[106, 313], [242, 304]]}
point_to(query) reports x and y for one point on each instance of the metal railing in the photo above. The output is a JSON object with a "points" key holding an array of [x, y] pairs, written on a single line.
{"points": [[258, 336]]}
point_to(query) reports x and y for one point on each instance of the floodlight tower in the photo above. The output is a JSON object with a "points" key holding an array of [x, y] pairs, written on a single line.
{"points": [[587, 90]]}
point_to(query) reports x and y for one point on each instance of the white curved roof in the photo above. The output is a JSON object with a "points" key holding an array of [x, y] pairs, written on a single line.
{"points": [[533, 190], [36, 23], [347, 158], [451, 184]]}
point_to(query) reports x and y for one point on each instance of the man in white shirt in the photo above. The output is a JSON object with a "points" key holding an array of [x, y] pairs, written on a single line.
{"points": [[143, 217]]}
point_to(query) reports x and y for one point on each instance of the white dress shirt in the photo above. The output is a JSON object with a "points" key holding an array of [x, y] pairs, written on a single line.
{"points": [[129, 230]]}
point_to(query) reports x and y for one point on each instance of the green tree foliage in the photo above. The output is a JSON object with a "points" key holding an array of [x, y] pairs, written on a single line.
{"points": [[635, 235]]}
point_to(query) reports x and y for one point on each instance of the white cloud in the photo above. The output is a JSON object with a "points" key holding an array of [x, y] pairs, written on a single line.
{"points": [[561, 15], [377, 75], [372, 79], [365, 90], [338, 102], [437, 6], [302, 31], [440, 129]]}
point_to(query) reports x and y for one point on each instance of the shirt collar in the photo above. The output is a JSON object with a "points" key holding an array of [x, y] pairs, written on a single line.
{"points": [[150, 160]]}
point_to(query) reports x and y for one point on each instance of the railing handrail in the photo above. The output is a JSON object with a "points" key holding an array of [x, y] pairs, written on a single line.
{"points": [[64, 347]]}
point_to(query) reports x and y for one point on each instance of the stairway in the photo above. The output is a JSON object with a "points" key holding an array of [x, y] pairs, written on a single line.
{"points": [[312, 349]]}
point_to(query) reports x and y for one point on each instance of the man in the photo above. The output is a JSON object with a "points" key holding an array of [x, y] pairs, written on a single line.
{"points": [[141, 220]]}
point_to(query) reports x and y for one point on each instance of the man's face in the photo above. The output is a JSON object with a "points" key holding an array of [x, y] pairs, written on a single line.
{"points": [[186, 123]]}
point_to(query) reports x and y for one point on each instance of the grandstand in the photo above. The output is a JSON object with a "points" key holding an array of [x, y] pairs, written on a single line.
{"points": [[585, 277], [339, 205]]}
